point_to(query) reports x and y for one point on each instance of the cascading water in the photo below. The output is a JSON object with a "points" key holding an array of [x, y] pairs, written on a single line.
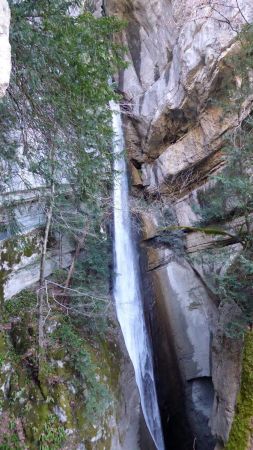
{"points": [[127, 292]]}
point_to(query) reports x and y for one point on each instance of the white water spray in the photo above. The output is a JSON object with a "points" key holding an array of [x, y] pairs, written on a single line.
{"points": [[127, 293]]}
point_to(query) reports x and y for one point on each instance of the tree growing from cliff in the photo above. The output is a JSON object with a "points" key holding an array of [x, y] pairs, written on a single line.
{"points": [[55, 124], [231, 198], [226, 208]]}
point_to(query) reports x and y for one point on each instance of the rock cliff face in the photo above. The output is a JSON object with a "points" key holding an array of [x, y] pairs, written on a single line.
{"points": [[174, 132]]}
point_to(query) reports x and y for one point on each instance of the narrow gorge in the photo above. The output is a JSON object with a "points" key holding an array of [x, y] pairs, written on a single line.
{"points": [[127, 292], [126, 225]]}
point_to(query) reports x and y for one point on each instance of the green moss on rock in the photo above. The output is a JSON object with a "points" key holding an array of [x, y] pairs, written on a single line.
{"points": [[242, 425], [77, 383]]}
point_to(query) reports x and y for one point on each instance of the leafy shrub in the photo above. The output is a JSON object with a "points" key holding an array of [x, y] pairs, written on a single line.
{"points": [[53, 434]]}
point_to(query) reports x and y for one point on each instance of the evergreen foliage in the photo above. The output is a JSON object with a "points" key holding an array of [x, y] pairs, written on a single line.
{"points": [[230, 199], [231, 196], [55, 135], [59, 93], [55, 121], [225, 208]]}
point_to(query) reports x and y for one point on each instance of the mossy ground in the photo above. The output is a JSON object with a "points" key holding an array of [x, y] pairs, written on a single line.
{"points": [[241, 431], [67, 398]]}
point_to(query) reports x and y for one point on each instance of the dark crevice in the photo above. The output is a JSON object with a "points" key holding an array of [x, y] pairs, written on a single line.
{"points": [[176, 428], [136, 163]]}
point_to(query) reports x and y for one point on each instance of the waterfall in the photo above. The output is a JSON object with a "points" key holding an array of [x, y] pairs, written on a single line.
{"points": [[127, 294]]}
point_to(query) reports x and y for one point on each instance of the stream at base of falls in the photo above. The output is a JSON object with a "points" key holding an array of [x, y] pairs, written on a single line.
{"points": [[127, 293]]}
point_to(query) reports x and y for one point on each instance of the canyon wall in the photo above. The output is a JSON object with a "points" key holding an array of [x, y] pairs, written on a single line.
{"points": [[174, 133]]}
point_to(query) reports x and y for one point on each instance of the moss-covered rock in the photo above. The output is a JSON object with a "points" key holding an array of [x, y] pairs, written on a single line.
{"points": [[241, 431], [72, 388]]}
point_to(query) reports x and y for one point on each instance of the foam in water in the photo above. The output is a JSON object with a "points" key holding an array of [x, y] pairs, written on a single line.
{"points": [[127, 292]]}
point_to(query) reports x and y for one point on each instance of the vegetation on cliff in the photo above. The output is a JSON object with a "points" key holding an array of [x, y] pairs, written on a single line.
{"points": [[55, 133], [55, 126], [55, 138], [70, 401], [241, 432], [225, 208], [228, 203]]}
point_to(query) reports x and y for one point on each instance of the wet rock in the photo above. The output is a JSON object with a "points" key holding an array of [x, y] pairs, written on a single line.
{"points": [[182, 317]]}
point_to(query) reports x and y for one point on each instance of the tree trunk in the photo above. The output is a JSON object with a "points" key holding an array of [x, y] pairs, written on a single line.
{"points": [[42, 272], [77, 252]]}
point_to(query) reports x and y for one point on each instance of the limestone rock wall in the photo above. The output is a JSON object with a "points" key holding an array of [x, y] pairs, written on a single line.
{"points": [[175, 53], [177, 60]]}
